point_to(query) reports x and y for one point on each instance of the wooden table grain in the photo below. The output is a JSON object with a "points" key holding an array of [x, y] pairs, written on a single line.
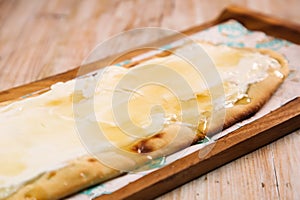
{"points": [[39, 38]]}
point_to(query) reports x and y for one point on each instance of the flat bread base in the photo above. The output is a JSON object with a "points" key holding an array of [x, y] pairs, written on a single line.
{"points": [[88, 171]]}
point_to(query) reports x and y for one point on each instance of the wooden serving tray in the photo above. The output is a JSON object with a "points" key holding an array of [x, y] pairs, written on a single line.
{"points": [[246, 139], [236, 144]]}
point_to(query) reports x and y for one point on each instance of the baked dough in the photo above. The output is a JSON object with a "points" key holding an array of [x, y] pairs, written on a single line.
{"points": [[88, 171]]}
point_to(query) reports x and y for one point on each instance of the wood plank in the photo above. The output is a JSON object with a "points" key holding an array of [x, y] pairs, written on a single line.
{"points": [[252, 20], [287, 162]]}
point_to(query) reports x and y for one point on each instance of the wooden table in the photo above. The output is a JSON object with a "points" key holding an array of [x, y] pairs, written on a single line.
{"points": [[39, 38]]}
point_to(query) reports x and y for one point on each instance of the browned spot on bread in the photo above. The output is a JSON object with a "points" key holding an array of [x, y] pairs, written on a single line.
{"points": [[92, 160], [159, 135], [51, 174], [150, 144], [199, 136]]}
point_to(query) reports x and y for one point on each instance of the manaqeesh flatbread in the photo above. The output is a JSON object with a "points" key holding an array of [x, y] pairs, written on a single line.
{"points": [[41, 153]]}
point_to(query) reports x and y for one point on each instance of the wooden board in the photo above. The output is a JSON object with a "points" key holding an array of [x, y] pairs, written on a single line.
{"points": [[152, 185], [234, 145]]}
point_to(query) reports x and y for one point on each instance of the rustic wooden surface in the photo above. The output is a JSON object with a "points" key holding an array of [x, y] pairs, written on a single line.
{"points": [[39, 38]]}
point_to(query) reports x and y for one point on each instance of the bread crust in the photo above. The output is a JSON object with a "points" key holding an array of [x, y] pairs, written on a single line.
{"points": [[259, 92], [88, 171]]}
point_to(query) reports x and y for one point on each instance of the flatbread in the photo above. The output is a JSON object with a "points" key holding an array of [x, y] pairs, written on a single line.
{"points": [[87, 171]]}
